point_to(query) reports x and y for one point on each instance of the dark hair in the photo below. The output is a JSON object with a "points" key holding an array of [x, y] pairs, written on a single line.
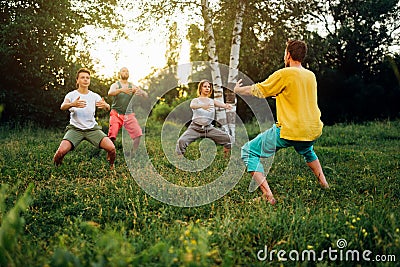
{"points": [[297, 49], [84, 70], [201, 85]]}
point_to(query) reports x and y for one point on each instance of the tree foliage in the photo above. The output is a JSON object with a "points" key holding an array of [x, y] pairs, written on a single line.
{"points": [[42, 45], [354, 69], [353, 49]]}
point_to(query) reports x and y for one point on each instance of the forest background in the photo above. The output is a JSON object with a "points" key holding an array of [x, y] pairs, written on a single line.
{"points": [[353, 50]]}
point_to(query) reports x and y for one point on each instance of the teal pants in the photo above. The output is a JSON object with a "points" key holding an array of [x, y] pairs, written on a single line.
{"points": [[266, 144]]}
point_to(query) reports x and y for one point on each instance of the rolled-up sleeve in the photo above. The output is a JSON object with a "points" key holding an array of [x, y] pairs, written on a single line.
{"points": [[272, 86]]}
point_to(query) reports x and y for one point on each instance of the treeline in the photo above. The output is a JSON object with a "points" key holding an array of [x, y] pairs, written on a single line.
{"points": [[353, 49], [41, 50]]}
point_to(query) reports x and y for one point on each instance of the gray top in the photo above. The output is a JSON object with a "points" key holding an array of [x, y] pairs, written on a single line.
{"points": [[201, 116]]}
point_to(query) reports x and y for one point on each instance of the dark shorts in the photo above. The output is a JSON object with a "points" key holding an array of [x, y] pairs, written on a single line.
{"points": [[76, 135]]}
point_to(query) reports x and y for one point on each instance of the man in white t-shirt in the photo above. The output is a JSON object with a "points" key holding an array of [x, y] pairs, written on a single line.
{"points": [[82, 104]]}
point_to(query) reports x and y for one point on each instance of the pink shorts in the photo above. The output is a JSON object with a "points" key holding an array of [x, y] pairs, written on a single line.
{"points": [[129, 121]]}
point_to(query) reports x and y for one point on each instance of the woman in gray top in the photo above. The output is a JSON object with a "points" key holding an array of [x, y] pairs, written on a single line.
{"points": [[203, 114]]}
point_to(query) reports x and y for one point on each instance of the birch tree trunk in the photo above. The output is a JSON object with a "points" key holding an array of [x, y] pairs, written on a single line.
{"points": [[215, 70], [233, 68]]}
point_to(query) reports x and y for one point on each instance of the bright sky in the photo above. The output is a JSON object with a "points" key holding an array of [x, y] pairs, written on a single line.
{"points": [[142, 52]]}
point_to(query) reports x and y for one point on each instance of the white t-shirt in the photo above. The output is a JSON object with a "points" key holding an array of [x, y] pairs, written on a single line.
{"points": [[202, 116], [83, 118]]}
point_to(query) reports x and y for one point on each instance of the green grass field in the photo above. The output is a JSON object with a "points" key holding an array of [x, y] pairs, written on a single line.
{"points": [[83, 214]]}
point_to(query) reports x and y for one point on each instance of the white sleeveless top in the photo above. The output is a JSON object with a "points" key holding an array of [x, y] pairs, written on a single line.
{"points": [[201, 116]]}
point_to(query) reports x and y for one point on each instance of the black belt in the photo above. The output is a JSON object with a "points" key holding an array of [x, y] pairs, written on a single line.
{"points": [[202, 126]]}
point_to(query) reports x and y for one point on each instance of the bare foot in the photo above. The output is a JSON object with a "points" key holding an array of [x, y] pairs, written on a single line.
{"points": [[57, 159], [269, 199], [227, 152], [324, 185]]}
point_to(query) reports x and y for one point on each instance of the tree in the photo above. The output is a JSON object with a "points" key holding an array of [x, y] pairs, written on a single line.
{"points": [[40, 51], [353, 45], [214, 62], [207, 14], [233, 75], [358, 33]]}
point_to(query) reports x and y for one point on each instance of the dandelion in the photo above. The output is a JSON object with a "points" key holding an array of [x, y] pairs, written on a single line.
{"points": [[327, 235], [397, 230], [364, 231], [310, 247], [188, 257], [94, 224], [353, 221], [212, 253]]}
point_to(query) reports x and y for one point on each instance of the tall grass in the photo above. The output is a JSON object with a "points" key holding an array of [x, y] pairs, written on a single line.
{"points": [[83, 214]]}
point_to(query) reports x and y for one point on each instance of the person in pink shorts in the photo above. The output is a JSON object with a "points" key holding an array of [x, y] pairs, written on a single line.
{"points": [[122, 115]]}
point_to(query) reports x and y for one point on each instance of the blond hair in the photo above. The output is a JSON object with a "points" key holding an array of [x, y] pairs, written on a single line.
{"points": [[201, 85]]}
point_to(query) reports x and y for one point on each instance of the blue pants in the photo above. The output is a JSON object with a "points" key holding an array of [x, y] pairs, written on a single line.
{"points": [[267, 143]]}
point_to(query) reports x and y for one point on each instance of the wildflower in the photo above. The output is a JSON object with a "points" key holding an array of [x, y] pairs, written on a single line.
{"points": [[94, 224], [310, 247], [188, 257]]}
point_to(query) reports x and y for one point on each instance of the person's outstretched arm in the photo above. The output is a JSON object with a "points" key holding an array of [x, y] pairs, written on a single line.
{"points": [[222, 105], [242, 90], [196, 104]]}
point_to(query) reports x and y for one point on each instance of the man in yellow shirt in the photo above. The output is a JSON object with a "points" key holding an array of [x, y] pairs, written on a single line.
{"points": [[299, 124]]}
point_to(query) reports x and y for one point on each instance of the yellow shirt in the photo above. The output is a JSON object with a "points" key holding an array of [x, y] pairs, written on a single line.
{"points": [[297, 110]]}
